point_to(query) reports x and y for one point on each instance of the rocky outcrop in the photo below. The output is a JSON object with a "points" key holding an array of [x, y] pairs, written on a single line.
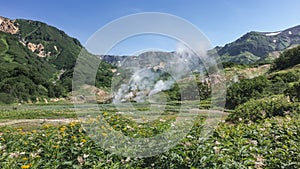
{"points": [[8, 26], [38, 49]]}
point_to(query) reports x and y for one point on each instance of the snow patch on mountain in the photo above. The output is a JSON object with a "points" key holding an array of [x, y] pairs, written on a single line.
{"points": [[273, 34]]}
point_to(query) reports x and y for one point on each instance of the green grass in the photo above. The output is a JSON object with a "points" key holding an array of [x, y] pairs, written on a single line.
{"points": [[36, 112], [3, 46]]}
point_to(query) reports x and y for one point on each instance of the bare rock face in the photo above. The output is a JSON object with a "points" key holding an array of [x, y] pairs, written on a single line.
{"points": [[8, 26], [38, 48]]}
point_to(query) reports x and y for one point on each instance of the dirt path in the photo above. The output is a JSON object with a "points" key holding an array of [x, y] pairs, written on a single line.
{"points": [[61, 121], [36, 121]]}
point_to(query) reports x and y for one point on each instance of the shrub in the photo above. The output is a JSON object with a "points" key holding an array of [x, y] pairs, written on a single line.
{"points": [[293, 92], [287, 59], [255, 110], [6, 98], [246, 89]]}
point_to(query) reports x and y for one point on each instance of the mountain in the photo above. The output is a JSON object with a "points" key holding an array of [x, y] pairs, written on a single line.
{"points": [[251, 48], [37, 61], [259, 46]]}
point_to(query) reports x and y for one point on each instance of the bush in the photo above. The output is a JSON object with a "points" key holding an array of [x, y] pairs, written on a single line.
{"points": [[293, 92], [246, 89], [287, 77], [6, 98], [255, 110], [287, 59]]}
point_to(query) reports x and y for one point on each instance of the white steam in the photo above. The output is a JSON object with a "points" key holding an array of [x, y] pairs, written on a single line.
{"points": [[155, 72]]}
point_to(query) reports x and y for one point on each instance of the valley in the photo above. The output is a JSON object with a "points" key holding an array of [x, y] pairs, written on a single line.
{"points": [[45, 122]]}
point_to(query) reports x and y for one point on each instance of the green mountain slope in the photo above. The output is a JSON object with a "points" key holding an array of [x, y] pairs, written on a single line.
{"points": [[23, 75], [259, 46], [63, 49], [37, 61]]}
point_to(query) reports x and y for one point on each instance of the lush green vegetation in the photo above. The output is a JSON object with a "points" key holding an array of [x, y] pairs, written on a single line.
{"points": [[246, 89], [14, 112], [270, 143], [293, 92], [67, 48], [24, 76], [262, 129], [255, 110], [287, 59]]}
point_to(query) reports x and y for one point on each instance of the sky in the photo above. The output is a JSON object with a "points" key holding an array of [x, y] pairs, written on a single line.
{"points": [[221, 21]]}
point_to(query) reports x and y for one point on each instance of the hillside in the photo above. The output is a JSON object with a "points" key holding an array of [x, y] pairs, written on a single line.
{"points": [[259, 46], [253, 47], [37, 61]]}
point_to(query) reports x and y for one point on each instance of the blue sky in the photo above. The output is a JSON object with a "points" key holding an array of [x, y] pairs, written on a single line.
{"points": [[222, 21]]}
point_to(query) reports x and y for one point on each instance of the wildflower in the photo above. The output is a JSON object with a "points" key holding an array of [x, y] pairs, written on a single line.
{"points": [[254, 142], [26, 166], [259, 161], [34, 155], [47, 126], [2, 147], [14, 155], [62, 129], [83, 140], [24, 158], [127, 159], [162, 120], [105, 114], [104, 134], [130, 128], [217, 143], [189, 136], [56, 146], [217, 150], [72, 124], [187, 144], [80, 160]]}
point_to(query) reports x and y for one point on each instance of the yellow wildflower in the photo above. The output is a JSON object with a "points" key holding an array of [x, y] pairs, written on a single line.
{"points": [[83, 140], [26, 166], [47, 126], [25, 158], [104, 134], [62, 129], [72, 124], [56, 146]]}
